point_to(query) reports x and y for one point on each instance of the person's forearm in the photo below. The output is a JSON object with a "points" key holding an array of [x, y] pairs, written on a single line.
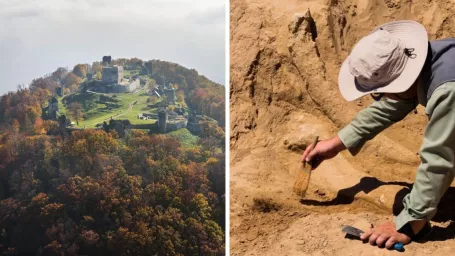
{"points": [[338, 144], [372, 120]]}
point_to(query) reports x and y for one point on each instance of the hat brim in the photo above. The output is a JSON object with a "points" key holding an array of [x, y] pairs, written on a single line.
{"points": [[413, 35]]}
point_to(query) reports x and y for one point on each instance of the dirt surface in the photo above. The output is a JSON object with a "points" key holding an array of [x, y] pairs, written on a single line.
{"points": [[285, 58]]}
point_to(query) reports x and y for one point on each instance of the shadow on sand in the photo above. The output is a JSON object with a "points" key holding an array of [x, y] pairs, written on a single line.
{"points": [[446, 208]]}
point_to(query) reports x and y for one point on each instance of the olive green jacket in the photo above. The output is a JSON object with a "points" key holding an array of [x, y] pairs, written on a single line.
{"points": [[437, 153]]}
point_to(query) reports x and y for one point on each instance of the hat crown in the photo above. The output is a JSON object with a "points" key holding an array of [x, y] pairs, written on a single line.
{"points": [[377, 59]]}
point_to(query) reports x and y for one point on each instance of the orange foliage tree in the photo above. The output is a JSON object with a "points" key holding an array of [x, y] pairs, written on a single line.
{"points": [[80, 70], [71, 79]]}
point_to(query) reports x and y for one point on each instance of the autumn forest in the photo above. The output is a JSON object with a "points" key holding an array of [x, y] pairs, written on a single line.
{"points": [[97, 192]]}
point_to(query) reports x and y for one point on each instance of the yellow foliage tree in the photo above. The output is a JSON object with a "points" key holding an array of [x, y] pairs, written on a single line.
{"points": [[15, 125], [97, 67], [98, 75], [74, 87], [180, 97], [80, 70], [71, 79]]}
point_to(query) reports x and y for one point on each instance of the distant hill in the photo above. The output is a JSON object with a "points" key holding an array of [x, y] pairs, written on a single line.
{"points": [[200, 94]]}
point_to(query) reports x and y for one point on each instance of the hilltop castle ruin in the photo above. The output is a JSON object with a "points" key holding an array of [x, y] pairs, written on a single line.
{"points": [[113, 80]]}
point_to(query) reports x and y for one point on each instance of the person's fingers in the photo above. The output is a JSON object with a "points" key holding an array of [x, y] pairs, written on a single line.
{"points": [[306, 152], [315, 151], [310, 149], [367, 234], [373, 238], [382, 239], [392, 240]]}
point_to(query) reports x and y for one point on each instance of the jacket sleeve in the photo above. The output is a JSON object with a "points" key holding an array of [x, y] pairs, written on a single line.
{"points": [[372, 120], [436, 171]]}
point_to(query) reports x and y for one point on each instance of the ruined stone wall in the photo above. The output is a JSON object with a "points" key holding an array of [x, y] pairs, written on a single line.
{"points": [[118, 88], [175, 125], [134, 85], [112, 74], [145, 126], [194, 128]]}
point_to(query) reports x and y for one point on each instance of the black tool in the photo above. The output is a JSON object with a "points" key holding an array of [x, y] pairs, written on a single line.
{"points": [[355, 232]]}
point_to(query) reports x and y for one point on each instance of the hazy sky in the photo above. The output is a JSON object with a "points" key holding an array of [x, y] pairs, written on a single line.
{"points": [[38, 36]]}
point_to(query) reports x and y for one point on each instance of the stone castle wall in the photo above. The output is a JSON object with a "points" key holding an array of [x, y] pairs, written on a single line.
{"points": [[112, 74], [175, 125], [117, 88], [134, 85]]}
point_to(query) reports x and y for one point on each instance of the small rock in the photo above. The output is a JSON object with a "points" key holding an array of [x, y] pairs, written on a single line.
{"points": [[324, 243], [382, 199], [252, 234], [319, 192]]}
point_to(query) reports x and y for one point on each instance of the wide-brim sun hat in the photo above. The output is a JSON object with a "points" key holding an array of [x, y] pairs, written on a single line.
{"points": [[388, 60]]}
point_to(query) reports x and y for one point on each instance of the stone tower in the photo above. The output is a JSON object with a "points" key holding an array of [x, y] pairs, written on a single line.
{"points": [[149, 67], [112, 74], [52, 108], [59, 91], [170, 94], [107, 60], [162, 120]]}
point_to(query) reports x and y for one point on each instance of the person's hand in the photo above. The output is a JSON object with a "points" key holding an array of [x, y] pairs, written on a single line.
{"points": [[324, 150], [385, 235]]}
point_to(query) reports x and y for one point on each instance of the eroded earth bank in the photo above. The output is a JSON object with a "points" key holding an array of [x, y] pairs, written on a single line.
{"points": [[285, 57]]}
